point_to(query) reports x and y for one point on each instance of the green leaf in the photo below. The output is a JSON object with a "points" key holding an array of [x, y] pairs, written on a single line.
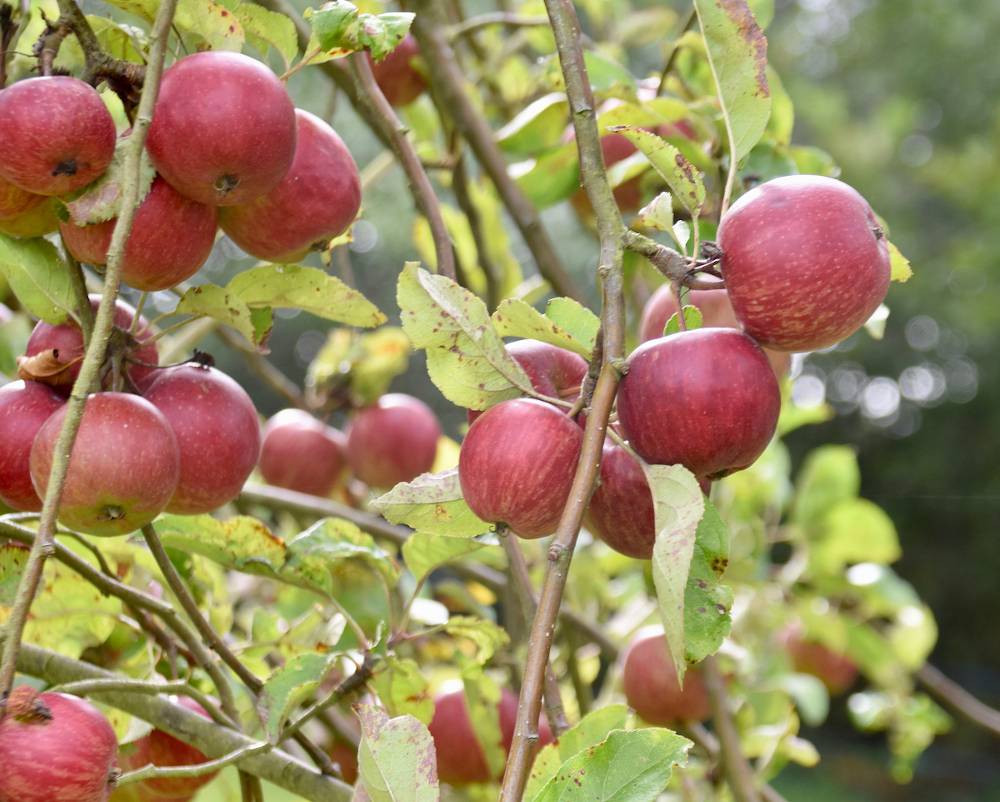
{"points": [[340, 28], [829, 475], [38, 277], [628, 766], [692, 320], [12, 560], [331, 541], [684, 180], [102, 200], [606, 75], [209, 300], [575, 318], [291, 685], [425, 551], [211, 23], [396, 759], [266, 29], [658, 214], [367, 362], [551, 178], [707, 602], [432, 502], [486, 635], [514, 318], [305, 288], [589, 731], [737, 55], [538, 127], [899, 265], [679, 506], [466, 357], [403, 689], [854, 531], [482, 699]]}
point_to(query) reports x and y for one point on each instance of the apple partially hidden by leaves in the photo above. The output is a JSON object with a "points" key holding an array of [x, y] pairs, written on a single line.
{"points": [[123, 469], [36, 222], [805, 262], [55, 748], [394, 440], [57, 134], [836, 671], [621, 509], [302, 453], [317, 199], [24, 408], [706, 399], [517, 463], [15, 201], [400, 81], [651, 685]]}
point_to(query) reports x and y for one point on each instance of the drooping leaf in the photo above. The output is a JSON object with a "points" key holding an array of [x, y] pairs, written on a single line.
{"points": [[432, 502], [212, 301], [291, 685], [737, 53], [265, 28], [515, 318], [425, 551], [899, 265], [38, 277], [684, 180], [396, 759]]}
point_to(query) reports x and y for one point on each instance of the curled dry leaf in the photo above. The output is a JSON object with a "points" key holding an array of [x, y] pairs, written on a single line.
{"points": [[48, 367]]}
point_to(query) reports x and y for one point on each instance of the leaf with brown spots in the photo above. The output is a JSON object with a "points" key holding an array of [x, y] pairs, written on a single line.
{"points": [[209, 300], [684, 180], [396, 759], [433, 503]]}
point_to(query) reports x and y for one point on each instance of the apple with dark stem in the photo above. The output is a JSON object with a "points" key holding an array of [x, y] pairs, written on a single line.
{"points": [[61, 347], [716, 312], [460, 757], [553, 371], [55, 748], [651, 685], [301, 453], [24, 407], [394, 440], [706, 399], [399, 80], [57, 134], [805, 262], [123, 469], [15, 201], [223, 129], [317, 199], [517, 463], [217, 430], [170, 240]]}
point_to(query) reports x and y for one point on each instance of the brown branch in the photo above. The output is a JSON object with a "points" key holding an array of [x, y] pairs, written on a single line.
{"points": [[739, 774], [460, 186], [675, 51], [449, 83], [673, 265], [566, 30], [958, 699], [506, 19]]}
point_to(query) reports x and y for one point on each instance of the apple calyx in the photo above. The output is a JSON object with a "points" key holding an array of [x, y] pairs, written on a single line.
{"points": [[24, 705]]}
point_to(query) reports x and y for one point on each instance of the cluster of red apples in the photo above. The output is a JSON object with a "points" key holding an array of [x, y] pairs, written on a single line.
{"points": [[805, 265], [229, 150]]}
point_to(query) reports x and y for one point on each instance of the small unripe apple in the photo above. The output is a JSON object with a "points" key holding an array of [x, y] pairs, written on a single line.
{"points": [[399, 80], [15, 201], [621, 509], [517, 464], [716, 312], [836, 671], [163, 750], [57, 134], [223, 129], [302, 453], [394, 440], [805, 261], [217, 430], [706, 399], [651, 686], [55, 748], [170, 240], [66, 341], [553, 371], [318, 199], [24, 407], [123, 469], [36, 222], [460, 757]]}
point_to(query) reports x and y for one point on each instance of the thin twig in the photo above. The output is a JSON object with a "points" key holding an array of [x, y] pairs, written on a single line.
{"points": [[150, 772], [505, 19], [739, 774], [958, 699], [675, 51]]}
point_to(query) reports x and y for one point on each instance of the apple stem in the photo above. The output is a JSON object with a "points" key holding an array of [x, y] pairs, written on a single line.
{"points": [[43, 545]]}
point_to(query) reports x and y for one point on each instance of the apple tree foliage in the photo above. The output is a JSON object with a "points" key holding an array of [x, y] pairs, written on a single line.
{"points": [[341, 618]]}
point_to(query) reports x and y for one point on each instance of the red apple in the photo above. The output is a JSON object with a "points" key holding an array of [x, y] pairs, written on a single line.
{"points": [[36, 222], [346, 757], [837, 671], [399, 80], [460, 757], [57, 135], [15, 201], [217, 431], [24, 407], [160, 749], [628, 195], [317, 199], [170, 240], [706, 399], [55, 748], [223, 130], [65, 342], [553, 371], [123, 469], [651, 686], [394, 440], [517, 464], [302, 453], [805, 262], [716, 312], [621, 510]]}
